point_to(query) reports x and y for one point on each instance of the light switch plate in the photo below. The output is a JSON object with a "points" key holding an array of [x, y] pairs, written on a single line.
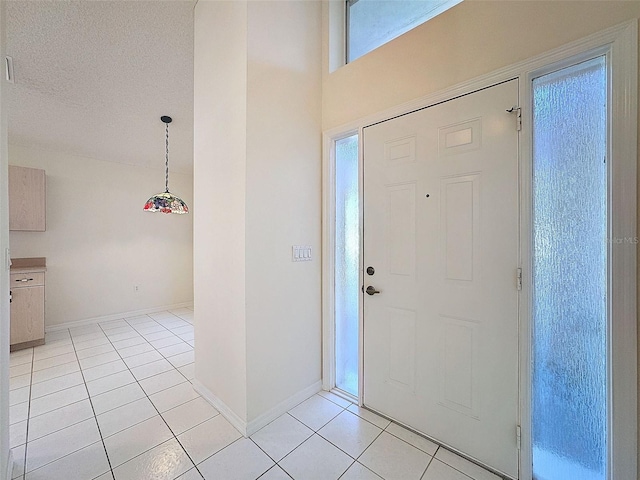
{"points": [[301, 253]]}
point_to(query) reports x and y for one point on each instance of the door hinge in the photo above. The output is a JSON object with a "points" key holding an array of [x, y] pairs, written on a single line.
{"points": [[518, 436], [519, 278], [518, 112]]}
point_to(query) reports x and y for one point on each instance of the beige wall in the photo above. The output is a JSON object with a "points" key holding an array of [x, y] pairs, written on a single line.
{"points": [[257, 162], [472, 39], [99, 242]]}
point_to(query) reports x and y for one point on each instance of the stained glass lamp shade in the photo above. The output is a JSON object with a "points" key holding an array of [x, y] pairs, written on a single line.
{"points": [[166, 202]]}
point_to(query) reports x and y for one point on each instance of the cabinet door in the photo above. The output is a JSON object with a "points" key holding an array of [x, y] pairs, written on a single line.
{"points": [[27, 314], [27, 194]]}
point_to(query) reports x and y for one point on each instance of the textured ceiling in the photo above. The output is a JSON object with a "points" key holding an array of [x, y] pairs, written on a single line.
{"points": [[92, 78]]}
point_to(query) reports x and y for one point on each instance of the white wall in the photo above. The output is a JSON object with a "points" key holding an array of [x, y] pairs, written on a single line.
{"points": [[283, 201], [99, 242], [257, 314], [4, 273], [220, 117]]}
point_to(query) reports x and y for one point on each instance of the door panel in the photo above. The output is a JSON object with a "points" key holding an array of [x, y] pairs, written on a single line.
{"points": [[441, 231]]}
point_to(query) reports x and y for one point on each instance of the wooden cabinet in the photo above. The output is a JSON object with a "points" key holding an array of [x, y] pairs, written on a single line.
{"points": [[27, 305], [27, 199]]}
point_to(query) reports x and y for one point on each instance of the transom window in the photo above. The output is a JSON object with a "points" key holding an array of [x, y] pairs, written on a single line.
{"points": [[372, 23]]}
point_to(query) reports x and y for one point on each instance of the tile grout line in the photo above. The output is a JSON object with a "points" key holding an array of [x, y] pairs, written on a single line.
{"points": [[429, 463], [195, 465], [26, 438], [70, 336], [154, 406], [95, 417]]}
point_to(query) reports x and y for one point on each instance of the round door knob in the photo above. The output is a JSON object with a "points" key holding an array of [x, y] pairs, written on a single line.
{"points": [[371, 290]]}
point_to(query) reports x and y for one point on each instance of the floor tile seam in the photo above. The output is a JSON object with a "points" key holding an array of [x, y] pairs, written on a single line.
{"points": [[142, 364], [405, 441], [275, 466], [335, 403], [214, 453], [58, 391], [190, 428], [82, 338], [58, 408], [314, 395], [102, 364], [369, 421], [64, 456], [132, 424], [167, 329], [454, 468], [112, 331], [342, 450], [154, 321], [127, 403], [301, 443], [118, 349], [181, 366], [92, 346], [96, 354], [52, 366], [57, 376], [322, 426], [175, 354], [365, 467], [26, 438], [53, 356], [95, 417], [368, 447], [19, 364], [62, 428], [161, 417], [180, 404], [18, 388], [167, 388], [427, 467], [266, 453]]}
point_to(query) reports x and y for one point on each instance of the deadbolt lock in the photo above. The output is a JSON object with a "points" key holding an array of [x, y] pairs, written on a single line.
{"points": [[371, 270]]}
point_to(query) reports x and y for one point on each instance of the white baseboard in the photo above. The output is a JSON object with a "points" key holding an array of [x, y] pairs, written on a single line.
{"points": [[248, 429], [222, 407], [9, 472], [116, 316], [283, 407]]}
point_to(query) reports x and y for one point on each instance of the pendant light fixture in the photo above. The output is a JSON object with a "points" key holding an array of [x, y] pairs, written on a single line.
{"points": [[166, 202]]}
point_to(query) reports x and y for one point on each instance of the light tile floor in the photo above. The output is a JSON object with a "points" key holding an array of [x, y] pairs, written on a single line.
{"points": [[115, 401]]}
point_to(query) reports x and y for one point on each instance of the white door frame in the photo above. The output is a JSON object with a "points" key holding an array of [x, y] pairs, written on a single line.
{"points": [[620, 44]]}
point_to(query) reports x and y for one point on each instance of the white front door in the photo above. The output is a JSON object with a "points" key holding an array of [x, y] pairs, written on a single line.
{"points": [[441, 233]]}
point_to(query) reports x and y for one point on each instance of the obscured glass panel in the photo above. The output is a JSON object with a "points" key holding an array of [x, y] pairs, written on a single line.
{"points": [[347, 261], [372, 23], [570, 273]]}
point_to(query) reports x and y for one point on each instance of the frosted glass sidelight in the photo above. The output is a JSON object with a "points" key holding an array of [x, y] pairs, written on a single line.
{"points": [[570, 321], [347, 261]]}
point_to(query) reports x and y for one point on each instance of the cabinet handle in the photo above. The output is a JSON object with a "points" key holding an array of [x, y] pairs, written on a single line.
{"points": [[25, 280]]}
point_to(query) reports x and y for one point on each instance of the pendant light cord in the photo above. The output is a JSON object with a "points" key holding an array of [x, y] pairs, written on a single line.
{"points": [[166, 172]]}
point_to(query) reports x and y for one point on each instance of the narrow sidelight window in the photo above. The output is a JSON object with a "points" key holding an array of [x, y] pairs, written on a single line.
{"points": [[570, 408], [347, 261]]}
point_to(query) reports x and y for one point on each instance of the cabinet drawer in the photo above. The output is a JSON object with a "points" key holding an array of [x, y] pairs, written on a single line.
{"points": [[26, 279]]}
